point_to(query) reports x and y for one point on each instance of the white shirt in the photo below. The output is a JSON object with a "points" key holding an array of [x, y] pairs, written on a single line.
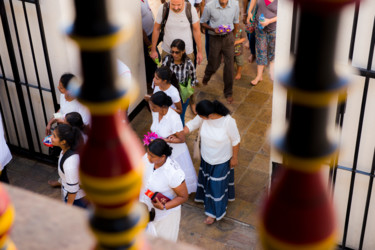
{"points": [[217, 138], [5, 155], [161, 180], [170, 124], [74, 106], [70, 178], [147, 17], [172, 92], [177, 27]]}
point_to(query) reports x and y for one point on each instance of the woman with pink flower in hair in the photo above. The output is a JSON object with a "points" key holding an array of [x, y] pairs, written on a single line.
{"points": [[166, 123]]}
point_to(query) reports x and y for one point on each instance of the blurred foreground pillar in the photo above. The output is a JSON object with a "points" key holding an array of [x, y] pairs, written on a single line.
{"points": [[298, 213]]}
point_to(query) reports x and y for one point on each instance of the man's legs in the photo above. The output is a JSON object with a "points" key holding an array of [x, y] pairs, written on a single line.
{"points": [[214, 58], [228, 54]]}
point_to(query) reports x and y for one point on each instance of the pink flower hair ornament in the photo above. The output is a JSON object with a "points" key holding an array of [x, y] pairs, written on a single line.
{"points": [[149, 137]]}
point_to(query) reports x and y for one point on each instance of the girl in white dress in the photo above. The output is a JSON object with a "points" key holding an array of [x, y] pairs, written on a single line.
{"points": [[162, 82], [163, 175], [167, 124]]}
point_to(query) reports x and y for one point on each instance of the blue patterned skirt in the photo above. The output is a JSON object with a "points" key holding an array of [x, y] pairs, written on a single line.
{"points": [[215, 188]]}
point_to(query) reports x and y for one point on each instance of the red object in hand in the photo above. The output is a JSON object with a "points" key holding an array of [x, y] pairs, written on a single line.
{"points": [[162, 198]]}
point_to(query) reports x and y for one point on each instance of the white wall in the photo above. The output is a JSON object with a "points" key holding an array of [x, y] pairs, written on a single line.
{"points": [[63, 54], [350, 127]]}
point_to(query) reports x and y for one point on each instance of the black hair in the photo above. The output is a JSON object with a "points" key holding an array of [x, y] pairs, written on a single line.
{"points": [[161, 99], [75, 120], [180, 45], [166, 74], [159, 147], [206, 107], [71, 135], [65, 79]]}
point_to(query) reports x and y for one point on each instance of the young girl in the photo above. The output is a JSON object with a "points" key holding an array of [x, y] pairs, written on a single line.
{"points": [[163, 82], [68, 138]]}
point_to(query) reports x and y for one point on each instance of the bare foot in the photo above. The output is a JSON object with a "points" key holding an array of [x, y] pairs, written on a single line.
{"points": [[256, 80], [229, 99], [192, 107], [54, 183], [237, 77], [209, 220]]}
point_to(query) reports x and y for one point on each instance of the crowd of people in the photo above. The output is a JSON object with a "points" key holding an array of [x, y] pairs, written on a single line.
{"points": [[169, 167], [171, 78]]}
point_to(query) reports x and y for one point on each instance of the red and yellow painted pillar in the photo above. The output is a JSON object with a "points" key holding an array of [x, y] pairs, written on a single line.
{"points": [[6, 220], [111, 161], [298, 214]]}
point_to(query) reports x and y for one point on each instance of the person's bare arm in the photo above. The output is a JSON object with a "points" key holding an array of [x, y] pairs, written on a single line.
{"points": [[197, 38], [182, 196], [71, 198], [145, 39], [155, 38], [234, 160], [178, 137]]}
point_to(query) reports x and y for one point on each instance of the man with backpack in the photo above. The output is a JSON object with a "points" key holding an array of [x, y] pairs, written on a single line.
{"points": [[182, 22]]}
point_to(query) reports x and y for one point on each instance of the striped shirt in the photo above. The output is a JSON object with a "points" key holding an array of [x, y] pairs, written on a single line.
{"points": [[183, 71]]}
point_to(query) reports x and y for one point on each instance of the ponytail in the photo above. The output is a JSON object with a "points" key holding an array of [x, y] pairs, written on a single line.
{"points": [[71, 135]]}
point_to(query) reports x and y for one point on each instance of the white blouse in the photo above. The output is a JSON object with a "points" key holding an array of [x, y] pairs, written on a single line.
{"points": [[169, 125], [172, 92], [74, 106], [161, 180], [217, 138], [70, 178]]}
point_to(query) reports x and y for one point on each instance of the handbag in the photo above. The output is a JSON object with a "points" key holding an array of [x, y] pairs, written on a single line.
{"points": [[196, 152], [186, 90]]}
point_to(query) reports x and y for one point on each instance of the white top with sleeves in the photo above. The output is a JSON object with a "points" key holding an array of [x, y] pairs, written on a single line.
{"points": [[70, 178], [161, 180], [217, 138], [172, 92], [74, 106], [177, 26], [169, 125], [147, 17]]}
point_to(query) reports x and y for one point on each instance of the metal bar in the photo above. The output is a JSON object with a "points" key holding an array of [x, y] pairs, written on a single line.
{"points": [[13, 62], [354, 31], [368, 199], [359, 134], [25, 84], [46, 55], [24, 73], [294, 29], [366, 72], [34, 62]]}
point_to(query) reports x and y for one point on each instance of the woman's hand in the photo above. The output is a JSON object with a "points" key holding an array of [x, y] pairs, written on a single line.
{"points": [[48, 129], [266, 22], [250, 17], [171, 139], [233, 162], [157, 204]]}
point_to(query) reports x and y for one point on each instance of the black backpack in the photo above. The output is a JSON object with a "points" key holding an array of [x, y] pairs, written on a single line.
{"points": [[166, 14], [66, 155]]}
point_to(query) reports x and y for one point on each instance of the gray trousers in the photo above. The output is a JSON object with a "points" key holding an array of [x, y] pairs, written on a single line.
{"points": [[221, 45]]}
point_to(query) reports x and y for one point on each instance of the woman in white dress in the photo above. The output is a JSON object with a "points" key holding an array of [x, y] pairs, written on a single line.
{"points": [[162, 82], [163, 175], [220, 143], [68, 104], [167, 124], [5, 155]]}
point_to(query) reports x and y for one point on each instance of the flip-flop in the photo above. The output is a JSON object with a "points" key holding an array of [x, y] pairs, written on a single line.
{"points": [[230, 100]]}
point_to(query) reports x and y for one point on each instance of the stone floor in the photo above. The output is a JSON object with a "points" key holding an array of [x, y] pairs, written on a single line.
{"points": [[252, 110]]}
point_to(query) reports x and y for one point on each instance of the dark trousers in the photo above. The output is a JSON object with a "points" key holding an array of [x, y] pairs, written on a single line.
{"points": [[150, 66], [221, 45]]}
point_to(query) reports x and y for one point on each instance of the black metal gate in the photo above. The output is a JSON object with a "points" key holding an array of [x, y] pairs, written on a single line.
{"points": [[367, 74], [27, 92]]}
